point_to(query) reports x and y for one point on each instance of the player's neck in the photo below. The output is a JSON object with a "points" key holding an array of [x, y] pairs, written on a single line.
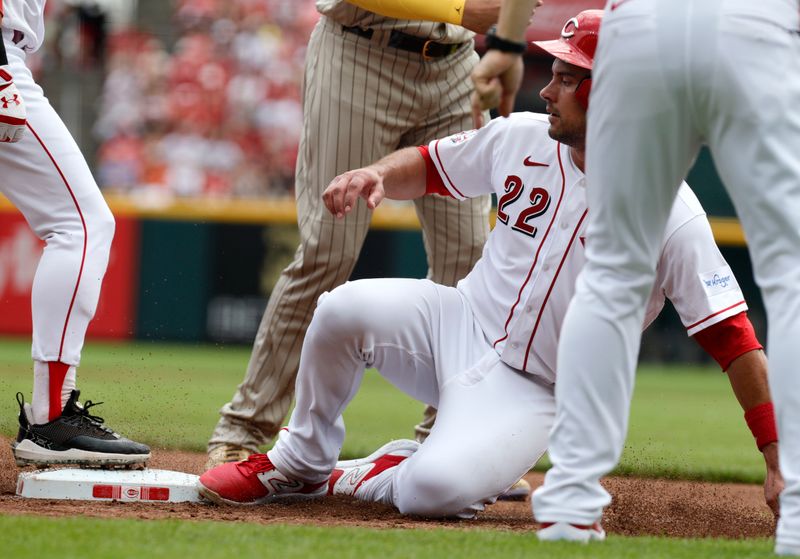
{"points": [[578, 157]]}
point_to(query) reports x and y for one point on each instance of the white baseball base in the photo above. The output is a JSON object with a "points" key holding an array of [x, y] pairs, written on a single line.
{"points": [[146, 486]]}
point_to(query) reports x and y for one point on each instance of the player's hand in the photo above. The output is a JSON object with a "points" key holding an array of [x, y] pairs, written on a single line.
{"points": [[773, 484], [497, 78], [342, 193], [12, 109]]}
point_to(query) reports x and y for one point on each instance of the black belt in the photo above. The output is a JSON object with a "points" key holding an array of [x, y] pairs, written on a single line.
{"points": [[404, 41]]}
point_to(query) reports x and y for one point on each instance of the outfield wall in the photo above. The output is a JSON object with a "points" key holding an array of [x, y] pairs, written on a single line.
{"points": [[202, 270]]}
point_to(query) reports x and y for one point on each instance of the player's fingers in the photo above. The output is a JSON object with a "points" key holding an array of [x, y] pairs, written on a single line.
{"points": [[477, 111], [327, 199], [375, 198], [506, 104], [338, 189], [353, 191]]}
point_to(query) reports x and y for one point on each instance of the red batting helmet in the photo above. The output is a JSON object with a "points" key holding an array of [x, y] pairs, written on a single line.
{"points": [[576, 46]]}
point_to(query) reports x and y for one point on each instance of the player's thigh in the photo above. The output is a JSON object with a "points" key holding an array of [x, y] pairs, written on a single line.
{"points": [[45, 175], [640, 144], [755, 141], [492, 427], [415, 332]]}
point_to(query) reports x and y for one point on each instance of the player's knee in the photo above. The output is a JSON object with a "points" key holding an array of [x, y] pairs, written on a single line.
{"points": [[342, 311], [102, 227], [432, 492]]}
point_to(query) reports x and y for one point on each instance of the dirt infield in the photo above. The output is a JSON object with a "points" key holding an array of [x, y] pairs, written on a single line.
{"points": [[640, 507]]}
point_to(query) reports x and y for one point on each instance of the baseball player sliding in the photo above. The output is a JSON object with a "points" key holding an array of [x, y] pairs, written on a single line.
{"points": [[484, 352], [47, 179]]}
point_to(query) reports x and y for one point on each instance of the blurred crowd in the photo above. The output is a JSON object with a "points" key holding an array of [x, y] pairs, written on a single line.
{"points": [[218, 114]]}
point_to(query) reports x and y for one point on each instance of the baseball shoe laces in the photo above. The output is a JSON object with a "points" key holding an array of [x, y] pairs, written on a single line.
{"points": [[75, 437]]}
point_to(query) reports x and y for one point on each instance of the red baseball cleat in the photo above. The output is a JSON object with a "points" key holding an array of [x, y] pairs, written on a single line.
{"points": [[254, 481]]}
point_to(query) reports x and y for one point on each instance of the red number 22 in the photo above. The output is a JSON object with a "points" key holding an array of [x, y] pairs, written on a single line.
{"points": [[539, 199]]}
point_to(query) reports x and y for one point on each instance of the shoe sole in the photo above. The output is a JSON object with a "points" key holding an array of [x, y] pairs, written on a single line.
{"points": [[515, 494], [28, 453], [214, 497], [561, 531], [388, 448], [787, 550]]}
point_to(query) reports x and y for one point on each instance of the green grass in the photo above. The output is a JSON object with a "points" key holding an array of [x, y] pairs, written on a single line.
{"points": [[122, 539], [685, 421], [168, 395]]}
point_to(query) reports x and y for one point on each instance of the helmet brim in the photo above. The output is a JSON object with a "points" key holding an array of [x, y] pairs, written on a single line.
{"points": [[566, 52]]}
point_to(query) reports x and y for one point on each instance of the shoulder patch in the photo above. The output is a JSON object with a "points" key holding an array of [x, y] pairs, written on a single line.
{"points": [[460, 137], [718, 281]]}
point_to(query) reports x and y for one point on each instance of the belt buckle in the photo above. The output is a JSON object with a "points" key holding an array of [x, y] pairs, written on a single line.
{"points": [[425, 47]]}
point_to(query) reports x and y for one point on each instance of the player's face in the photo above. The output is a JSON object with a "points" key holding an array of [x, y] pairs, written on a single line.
{"points": [[567, 116]]}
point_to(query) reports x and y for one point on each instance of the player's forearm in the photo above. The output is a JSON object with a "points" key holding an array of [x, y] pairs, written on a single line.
{"points": [[403, 174], [748, 377], [514, 19]]}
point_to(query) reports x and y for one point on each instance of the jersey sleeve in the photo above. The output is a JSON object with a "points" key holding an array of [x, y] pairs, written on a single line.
{"points": [[465, 160], [729, 339], [693, 274]]}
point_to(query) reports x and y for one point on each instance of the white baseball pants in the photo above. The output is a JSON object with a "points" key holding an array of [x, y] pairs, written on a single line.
{"points": [[670, 76], [493, 420], [46, 177]]}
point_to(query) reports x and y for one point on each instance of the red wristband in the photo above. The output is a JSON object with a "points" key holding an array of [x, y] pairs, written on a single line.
{"points": [[761, 420]]}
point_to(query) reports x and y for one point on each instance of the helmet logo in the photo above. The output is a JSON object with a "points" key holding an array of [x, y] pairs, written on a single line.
{"points": [[569, 28]]}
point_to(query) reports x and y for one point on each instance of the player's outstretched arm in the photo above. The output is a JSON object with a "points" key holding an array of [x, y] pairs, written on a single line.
{"points": [[732, 341], [398, 176], [748, 377], [13, 118]]}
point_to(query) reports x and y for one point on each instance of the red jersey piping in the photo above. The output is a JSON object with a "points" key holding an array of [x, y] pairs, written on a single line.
{"points": [[85, 240]]}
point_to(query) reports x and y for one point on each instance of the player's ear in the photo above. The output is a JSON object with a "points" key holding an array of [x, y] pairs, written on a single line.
{"points": [[583, 90]]}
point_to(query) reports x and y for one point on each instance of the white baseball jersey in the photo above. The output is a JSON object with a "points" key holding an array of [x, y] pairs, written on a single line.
{"points": [[23, 23], [520, 288]]}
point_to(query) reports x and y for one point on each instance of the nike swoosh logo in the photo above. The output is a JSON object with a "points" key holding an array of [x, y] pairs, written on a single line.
{"points": [[530, 163], [617, 4]]}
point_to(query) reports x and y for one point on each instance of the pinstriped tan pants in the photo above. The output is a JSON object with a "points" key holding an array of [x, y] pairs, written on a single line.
{"points": [[361, 102]]}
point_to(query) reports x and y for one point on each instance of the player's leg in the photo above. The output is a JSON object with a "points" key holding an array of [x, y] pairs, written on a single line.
{"points": [[639, 147], [48, 180], [754, 142], [344, 128], [430, 327], [491, 428]]}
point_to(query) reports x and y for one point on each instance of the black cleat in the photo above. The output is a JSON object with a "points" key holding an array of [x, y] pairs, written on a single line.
{"points": [[76, 437]]}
